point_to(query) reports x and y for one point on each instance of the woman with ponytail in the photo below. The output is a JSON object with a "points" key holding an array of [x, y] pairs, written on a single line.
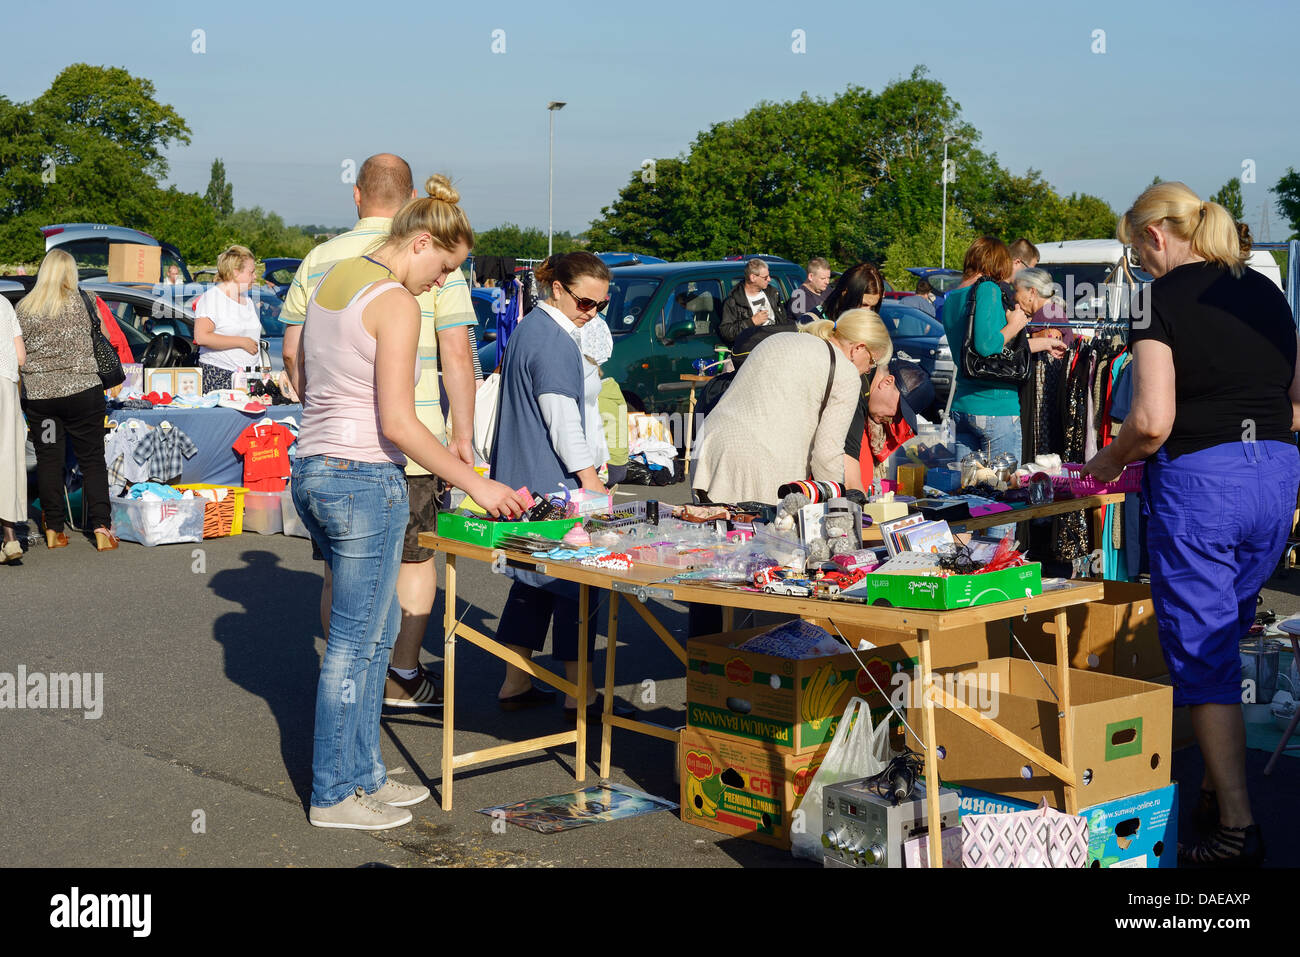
{"points": [[779, 413], [360, 366], [1216, 402]]}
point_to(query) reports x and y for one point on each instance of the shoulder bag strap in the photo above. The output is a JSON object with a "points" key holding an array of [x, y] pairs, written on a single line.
{"points": [[826, 395]]}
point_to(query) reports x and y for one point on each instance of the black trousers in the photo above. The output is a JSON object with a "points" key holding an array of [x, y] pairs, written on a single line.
{"points": [[529, 611], [80, 417]]}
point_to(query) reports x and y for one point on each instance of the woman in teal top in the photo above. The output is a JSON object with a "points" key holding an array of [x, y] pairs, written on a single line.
{"points": [[987, 414]]}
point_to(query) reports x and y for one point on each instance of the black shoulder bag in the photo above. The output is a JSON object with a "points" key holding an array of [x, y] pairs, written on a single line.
{"points": [[1010, 366], [107, 362]]}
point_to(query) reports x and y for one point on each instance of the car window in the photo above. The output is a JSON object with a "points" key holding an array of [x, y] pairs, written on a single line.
{"points": [[944, 283], [699, 300], [629, 298], [908, 324], [487, 319], [87, 252]]}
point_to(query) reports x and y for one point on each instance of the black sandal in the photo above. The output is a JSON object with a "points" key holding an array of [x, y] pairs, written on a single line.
{"points": [[1225, 848], [532, 698]]}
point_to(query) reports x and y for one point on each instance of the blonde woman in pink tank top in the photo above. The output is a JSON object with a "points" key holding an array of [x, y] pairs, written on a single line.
{"points": [[359, 425]]}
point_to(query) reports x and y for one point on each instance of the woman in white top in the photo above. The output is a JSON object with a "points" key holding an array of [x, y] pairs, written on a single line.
{"points": [[771, 427], [13, 434], [226, 326]]}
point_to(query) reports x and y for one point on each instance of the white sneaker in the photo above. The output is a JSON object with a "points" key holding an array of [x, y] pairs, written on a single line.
{"points": [[359, 812], [395, 794]]}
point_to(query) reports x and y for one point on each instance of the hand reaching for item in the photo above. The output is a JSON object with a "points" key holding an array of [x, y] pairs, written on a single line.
{"points": [[499, 500]]}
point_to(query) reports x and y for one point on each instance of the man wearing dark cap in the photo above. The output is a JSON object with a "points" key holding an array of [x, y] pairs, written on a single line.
{"points": [[886, 418]]}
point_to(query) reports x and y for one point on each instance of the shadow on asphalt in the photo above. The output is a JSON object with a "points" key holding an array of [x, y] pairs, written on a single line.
{"points": [[275, 657]]}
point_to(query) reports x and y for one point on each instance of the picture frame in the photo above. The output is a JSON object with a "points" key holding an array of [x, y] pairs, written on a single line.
{"points": [[189, 382], [160, 380]]}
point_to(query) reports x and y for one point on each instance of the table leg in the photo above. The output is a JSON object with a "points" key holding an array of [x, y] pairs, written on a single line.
{"points": [[448, 679], [1295, 718], [584, 668], [607, 729], [1066, 723], [728, 619], [935, 827], [690, 428]]}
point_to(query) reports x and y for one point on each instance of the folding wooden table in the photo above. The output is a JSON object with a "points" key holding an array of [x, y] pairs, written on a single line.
{"points": [[646, 582]]}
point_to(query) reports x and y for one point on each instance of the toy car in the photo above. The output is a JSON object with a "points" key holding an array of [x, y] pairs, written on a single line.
{"points": [[800, 587]]}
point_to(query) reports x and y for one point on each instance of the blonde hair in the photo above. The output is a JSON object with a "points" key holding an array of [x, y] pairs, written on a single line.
{"points": [[56, 280], [437, 214], [232, 260], [1207, 227], [856, 325]]}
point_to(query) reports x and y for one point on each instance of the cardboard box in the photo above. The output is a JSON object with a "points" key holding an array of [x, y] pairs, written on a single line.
{"points": [[744, 789], [134, 262], [1121, 731], [955, 591], [1115, 635], [795, 705], [1136, 831]]}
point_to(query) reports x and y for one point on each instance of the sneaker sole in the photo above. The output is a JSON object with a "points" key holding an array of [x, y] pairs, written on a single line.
{"points": [[408, 703], [365, 827]]}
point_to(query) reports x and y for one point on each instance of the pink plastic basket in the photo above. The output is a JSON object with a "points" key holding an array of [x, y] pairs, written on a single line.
{"points": [[1130, 480]]}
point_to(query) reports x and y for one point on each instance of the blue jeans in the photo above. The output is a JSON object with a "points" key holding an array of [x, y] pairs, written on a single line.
{"points": [[356, 513], [1218, 520], [991, 435]]}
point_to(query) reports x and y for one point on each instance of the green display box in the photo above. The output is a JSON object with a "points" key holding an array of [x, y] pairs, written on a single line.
{"points": [[485, 532], [955, 591]]}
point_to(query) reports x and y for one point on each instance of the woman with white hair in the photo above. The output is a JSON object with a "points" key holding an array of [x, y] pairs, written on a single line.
{"points": [[1037, 296]]}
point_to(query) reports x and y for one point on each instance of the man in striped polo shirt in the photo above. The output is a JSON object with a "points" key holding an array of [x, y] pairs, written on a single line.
{"points": [[384, 184]]}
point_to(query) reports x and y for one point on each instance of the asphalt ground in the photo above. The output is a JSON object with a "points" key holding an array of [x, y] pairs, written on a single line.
{"points": [[202, 753]]}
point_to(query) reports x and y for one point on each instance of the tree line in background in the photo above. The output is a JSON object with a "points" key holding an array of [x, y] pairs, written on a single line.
{"points": [[854, 177]]}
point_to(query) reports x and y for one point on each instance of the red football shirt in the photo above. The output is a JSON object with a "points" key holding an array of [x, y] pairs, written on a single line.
{"points": [[265, 449]]}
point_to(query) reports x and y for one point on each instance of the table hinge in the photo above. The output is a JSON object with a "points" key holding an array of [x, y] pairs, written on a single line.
{"points": [[642, 592]]}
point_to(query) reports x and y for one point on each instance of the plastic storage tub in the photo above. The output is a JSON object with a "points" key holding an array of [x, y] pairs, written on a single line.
{"points": [[225, 517], [262, 513], [290, 521], [158, 522]]}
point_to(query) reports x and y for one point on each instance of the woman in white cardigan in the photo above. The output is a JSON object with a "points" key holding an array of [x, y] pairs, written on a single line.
{"points": [[760, 434]]}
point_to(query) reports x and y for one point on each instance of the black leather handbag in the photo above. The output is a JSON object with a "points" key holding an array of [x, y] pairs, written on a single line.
{"points": [[107, 363], [1010, 366]]}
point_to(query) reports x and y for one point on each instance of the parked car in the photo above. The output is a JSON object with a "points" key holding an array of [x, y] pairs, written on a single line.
{"points": [[920, 338], [627, 259], [942, 281], [278, 273], [88, 244]]}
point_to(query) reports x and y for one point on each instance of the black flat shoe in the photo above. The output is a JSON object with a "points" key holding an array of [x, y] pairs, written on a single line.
{"points": [[597, 708], [534, 697]]}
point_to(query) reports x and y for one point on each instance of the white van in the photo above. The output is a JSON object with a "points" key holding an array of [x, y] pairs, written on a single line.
{"points": [[1096, 279]]}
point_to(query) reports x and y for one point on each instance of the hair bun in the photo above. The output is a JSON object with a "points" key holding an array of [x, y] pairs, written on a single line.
{"points": [[1243, 237], [439, 186]]}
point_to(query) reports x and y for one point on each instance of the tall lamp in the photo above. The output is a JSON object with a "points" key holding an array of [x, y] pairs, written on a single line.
{"points": [[550, 186]]}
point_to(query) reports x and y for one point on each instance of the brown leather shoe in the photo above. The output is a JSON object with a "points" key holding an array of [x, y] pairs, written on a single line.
{"points": [[105, 541], [55, 539]]}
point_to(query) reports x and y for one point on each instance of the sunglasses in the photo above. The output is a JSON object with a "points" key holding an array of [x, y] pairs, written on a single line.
{"points": [[586, 305], [1134, 258]]}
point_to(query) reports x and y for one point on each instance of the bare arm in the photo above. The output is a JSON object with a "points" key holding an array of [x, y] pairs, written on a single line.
{"points": [[394, 318], [1295, 395], [22, 350], [1152, 417], [458, 379], [853, 473], [291, 350]]}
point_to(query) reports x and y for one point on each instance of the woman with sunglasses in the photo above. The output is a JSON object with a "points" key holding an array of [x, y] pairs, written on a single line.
{"points": [[541, 443]]}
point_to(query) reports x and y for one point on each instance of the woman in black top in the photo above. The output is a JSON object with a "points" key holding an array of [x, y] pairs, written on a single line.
{"points": [[1216, 401]]}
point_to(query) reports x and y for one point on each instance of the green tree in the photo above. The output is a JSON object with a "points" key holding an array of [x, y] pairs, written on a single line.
{"points": [[1287, 191], [522, 242], [186, 221], [1229, 197], [922, 247], [220, 195]]}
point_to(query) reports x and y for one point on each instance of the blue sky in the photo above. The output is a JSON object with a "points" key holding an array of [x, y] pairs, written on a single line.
{"points": [[286, 94]]}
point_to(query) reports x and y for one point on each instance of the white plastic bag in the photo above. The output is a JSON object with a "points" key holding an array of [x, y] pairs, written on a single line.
{"points": [[855, 752], [485, 415]]}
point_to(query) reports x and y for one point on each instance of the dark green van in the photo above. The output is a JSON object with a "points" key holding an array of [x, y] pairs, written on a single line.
{"points": [[664, 316]]}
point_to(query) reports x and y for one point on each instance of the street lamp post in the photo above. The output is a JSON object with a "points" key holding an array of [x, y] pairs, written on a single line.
{"points": [[550, 186], [943, 228]]}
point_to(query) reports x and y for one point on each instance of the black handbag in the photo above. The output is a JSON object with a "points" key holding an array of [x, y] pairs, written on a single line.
{"points": [[1010, 366], [107, 362]]}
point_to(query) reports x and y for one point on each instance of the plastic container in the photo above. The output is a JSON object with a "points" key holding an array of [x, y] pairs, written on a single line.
{"points": [[1130, 480], [222, 518], [262, 513], [158, 522], [289, 519]]}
